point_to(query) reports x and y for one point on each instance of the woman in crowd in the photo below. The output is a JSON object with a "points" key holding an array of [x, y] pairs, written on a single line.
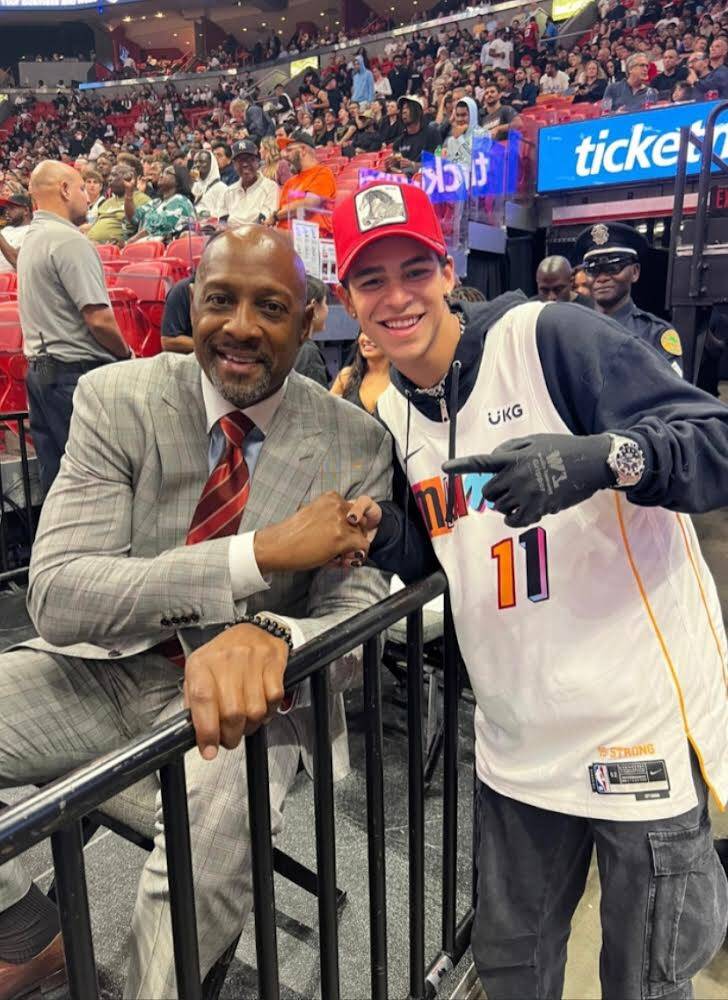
{"points": [[613, 71], [366, 376], [592, 87], [273, 163], [166, 216]]}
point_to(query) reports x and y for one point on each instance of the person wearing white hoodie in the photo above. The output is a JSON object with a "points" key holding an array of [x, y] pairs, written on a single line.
{"points": [[208, 190], [458, 148]]}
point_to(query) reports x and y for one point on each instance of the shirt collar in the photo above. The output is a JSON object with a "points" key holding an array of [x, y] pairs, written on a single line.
{"points": [[217, 406], [255, 184], [624, 311], [41, 214]]}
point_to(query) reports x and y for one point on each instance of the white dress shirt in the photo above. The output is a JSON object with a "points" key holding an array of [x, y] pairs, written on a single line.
{"points": [[245, 206], [245, 576]]}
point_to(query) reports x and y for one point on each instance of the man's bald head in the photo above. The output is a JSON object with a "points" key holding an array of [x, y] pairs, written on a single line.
{"points": [[59, 188], [553, 279], [258, 241], [249, 312]]}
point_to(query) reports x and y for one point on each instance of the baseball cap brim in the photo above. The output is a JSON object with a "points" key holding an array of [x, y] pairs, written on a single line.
{"points": [[381, 233], [8, 202]]}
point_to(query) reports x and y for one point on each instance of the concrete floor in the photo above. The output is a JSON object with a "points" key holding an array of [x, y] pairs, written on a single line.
{"points": [[112, 862]]}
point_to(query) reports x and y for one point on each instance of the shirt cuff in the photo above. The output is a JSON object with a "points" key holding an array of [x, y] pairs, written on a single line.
{"points": [[245, 577]]}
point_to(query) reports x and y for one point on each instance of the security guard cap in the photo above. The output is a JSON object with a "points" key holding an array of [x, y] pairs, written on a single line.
{"points": [[608, 238]]}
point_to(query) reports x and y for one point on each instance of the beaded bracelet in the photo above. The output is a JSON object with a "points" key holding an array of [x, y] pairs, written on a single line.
{"points": [[271, 625]]}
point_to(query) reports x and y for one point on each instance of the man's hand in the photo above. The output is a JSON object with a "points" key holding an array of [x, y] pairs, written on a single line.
{"points": [[313, 536], [233, 684], [130, 186], [541, 474], [367, 514]]}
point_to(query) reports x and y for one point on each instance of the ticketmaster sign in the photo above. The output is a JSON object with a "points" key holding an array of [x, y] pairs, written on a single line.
{"points": [[622, 149]]}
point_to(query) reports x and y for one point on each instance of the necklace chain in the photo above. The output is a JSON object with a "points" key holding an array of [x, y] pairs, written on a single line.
{"points": [[437, 391]]}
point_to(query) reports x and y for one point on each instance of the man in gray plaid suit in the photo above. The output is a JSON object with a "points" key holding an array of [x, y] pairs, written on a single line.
{"points": [[111, 578]]}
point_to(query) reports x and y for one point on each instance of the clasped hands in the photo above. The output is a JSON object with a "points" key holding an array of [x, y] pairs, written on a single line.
{"points": [[235, 683]]}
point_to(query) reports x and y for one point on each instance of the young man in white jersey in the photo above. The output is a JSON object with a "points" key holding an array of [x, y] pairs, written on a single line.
{"points": [[587, 619]]}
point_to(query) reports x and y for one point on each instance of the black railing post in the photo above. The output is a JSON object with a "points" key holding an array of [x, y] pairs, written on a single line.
{"points": [[323, 791], [375, 819], [25, 474], [67, 848], [179, 874], [416, 787], [264, 903], [451, 694], [701, 212]]}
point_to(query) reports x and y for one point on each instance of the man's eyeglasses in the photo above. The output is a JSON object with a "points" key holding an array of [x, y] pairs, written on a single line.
{"points": [[607, 265]]}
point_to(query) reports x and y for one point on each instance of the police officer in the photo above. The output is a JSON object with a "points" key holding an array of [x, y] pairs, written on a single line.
{"points": [[610, 254]]}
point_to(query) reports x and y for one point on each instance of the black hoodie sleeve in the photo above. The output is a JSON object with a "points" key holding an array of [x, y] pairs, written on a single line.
{"points": [[602, 379], [408, 553]]}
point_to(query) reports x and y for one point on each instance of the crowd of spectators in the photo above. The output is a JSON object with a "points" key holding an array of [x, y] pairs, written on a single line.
{"points": [[427, 92]]}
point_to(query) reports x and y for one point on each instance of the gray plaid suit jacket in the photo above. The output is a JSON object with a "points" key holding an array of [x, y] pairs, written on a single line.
{"points": [[110, 569]]}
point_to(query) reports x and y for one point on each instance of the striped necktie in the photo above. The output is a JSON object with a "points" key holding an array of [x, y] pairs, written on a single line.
{"points": [[220, 508]]}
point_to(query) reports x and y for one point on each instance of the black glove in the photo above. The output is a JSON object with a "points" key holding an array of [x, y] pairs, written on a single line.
{"points": [[541, 474]]}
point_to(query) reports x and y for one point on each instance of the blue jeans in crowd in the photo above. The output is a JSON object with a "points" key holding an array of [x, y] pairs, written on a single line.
{"points": [[51, 384]]}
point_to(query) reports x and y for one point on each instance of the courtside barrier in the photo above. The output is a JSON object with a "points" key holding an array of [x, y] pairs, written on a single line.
{"points": [[57, 811]]}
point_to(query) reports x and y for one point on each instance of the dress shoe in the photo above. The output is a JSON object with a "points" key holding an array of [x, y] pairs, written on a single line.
{"points": [[44, 972]]}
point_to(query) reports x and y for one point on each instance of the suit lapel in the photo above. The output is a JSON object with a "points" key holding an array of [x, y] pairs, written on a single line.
{"points": [[291, 456], [182, 443]]}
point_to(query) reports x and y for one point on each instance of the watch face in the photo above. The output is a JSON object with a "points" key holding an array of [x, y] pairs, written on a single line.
{"points": [[630, 463]]}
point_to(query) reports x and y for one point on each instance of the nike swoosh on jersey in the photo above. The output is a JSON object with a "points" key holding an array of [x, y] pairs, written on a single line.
{"points": [[413, 453]]}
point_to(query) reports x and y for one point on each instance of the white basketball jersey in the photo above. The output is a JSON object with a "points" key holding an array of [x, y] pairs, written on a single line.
{"points": [[593, 641]]}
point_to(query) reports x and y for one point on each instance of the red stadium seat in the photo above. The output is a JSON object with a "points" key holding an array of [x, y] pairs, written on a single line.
{"points": [[13, 366], [151, 282], [187, 248], [8, 286], [108, 251], [135, 328], [146, 250]]}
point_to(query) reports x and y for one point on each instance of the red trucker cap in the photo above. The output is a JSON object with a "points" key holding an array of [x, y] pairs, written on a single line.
{"points": [[381, 209]]}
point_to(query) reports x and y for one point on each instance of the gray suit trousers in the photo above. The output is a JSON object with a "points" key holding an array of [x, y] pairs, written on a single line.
{"points": [[60, 712]]}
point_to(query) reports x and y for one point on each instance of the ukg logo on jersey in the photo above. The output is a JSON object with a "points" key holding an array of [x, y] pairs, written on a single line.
{"points": [[623, 149]]}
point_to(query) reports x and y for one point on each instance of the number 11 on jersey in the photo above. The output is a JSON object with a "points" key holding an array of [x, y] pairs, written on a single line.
{"points": [[533, 543]]}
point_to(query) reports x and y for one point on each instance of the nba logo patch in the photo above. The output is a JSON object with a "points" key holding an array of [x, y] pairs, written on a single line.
{"points": [[382, 205]]}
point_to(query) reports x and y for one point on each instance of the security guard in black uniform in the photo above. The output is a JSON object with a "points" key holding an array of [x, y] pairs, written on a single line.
{"points": [[610, 254]]}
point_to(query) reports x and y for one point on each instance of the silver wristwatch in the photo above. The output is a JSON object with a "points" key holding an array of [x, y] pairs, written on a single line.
{"points": [[626, 460]]}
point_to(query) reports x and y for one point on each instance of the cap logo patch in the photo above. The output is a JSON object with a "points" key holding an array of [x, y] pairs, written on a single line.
{"points": [[600, 234], [382, 205]]}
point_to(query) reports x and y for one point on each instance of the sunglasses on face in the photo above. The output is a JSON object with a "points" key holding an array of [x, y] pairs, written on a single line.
{"points": [[606, 265]]}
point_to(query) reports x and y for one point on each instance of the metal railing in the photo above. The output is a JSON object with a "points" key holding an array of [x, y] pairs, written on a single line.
{"points": [[56, 811]]}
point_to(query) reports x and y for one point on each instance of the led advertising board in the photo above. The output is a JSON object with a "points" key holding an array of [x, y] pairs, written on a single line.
{"points": [[622, 149]]}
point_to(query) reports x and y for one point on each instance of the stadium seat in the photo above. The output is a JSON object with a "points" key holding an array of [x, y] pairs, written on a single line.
{"points": [[146, 250], [108, 251], [151, 282], [8, 286], [13, 365], [137, 331], [187, 248]]}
